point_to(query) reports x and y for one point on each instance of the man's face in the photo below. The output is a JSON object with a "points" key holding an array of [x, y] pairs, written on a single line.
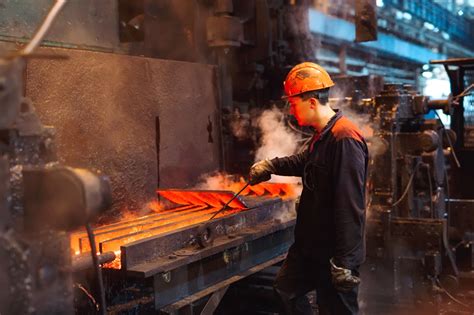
{"points": [[301, 109]]}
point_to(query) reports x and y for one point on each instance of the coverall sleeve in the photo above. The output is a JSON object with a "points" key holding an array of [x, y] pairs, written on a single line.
{"points": [[291, 165], [348, 179]]}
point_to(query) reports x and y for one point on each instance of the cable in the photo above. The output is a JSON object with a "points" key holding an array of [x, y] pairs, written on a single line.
{"points": [[458, 164], [298, 130], [44, 27], [451, 296], [464, 93], [448, 196], [304, 145], [431, 191], [410, 181], [80, 287], [98, 271], [303, 139]]}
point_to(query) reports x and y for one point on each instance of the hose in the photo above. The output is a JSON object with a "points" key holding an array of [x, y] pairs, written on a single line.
{"points": [[431, 190]]}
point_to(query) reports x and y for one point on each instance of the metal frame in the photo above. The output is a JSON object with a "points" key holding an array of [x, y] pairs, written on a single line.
{"points": [[171, 272]]}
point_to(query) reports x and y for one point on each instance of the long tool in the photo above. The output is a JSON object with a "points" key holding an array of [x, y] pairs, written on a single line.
{"points": [[228, 202]]}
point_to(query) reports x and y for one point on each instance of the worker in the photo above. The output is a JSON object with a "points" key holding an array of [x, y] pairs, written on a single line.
{"points": [[329, 244]]}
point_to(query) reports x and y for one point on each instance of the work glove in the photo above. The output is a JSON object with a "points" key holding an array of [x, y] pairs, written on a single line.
{"points": [[342, 278], [260, 172]]}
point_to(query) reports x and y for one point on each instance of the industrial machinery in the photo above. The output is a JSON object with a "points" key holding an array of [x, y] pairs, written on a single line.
{"points": [[154, 113], [417, 236], [40, 200]]}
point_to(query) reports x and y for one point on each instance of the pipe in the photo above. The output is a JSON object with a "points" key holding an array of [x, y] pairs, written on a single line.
{"points": [[44, 28]]}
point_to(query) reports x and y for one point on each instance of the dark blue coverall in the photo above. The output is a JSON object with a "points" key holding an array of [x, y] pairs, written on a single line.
{"points": [[330, 218]]}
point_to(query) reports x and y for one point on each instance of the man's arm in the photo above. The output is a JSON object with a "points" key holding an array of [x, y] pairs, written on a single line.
{"points": [[349, 175], [291, 165], [287, 166]]}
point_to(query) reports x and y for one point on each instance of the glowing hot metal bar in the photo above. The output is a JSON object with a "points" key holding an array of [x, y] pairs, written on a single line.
{"points": [[184, 208]]}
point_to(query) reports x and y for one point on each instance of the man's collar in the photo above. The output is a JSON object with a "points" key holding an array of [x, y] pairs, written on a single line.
{"points": [[331, 122], [318, 136]]}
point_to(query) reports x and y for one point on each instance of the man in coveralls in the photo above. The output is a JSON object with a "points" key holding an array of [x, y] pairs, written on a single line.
{"points": [[329, 242]]}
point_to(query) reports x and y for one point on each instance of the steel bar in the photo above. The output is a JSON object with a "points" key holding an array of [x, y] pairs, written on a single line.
{"points": [[84, 262], [228, 202], [116, 242], [146, 225], [211, 197], [80, 237]]}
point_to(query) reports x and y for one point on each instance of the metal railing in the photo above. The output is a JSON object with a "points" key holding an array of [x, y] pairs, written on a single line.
{"points": [[459, 28]]}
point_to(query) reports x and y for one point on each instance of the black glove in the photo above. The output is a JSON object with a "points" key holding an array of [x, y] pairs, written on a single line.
{"points": [[342, 278], [260, 172]]}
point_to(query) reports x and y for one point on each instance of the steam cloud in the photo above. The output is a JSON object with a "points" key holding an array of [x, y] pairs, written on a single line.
{"points": [[216, 181], [363, 121], [277, 140]]}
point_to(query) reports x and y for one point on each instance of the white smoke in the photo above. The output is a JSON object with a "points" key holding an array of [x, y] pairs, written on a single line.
{"points": [[218, 181], [277, 140], [364, 122], [239, 125]]}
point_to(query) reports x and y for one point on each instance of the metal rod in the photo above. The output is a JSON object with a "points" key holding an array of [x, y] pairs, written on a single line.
{"points": [[228, 202], [44, 27], [98, 271], [84, 262]]}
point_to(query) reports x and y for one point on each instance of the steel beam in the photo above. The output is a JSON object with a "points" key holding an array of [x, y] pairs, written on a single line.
{"points": [[175, 284], [157, 249], [174, 309]]}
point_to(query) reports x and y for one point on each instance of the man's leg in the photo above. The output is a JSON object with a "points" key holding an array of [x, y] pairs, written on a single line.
{"points": [[333, 302], [292, 283]]}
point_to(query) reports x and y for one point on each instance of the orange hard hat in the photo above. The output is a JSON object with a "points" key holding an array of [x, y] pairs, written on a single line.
{"points": [[304, 77]]}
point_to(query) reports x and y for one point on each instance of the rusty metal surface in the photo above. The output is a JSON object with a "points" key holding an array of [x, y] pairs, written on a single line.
{"points": [[35, 274], [83, 23], [106, 109]]}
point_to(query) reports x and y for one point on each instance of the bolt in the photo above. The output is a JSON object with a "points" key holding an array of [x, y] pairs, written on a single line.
{"points": [[166, 276]]}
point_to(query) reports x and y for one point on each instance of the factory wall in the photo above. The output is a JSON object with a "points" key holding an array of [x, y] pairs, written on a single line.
{"points": [[143, 122]]}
